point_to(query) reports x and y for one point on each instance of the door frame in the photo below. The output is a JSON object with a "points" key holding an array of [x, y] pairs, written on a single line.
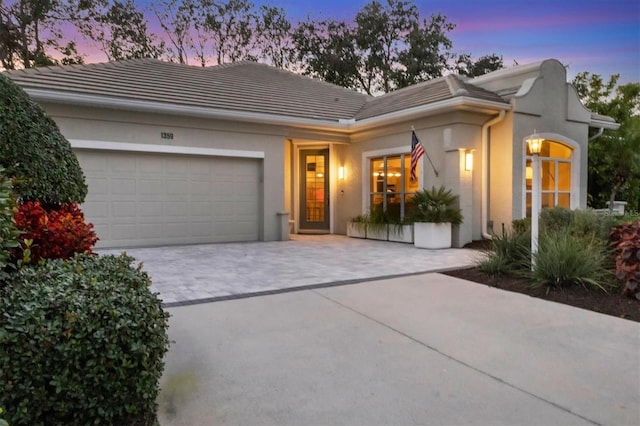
{"points": [[296, 187], [319, 226]]}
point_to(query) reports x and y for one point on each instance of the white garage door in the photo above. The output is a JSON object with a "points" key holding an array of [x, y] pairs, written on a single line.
{"points": [[141, 199]]}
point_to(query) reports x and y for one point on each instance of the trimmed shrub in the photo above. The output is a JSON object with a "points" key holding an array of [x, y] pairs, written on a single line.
{"points": [[34, 152], [57, 233], [625, 239], [9, 234], [588, 222], [564, 259], [556, 219], [81, 342]]}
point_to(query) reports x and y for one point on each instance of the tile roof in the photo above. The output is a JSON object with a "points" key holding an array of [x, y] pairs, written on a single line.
{"points": [[428, 92], [242, 86]]}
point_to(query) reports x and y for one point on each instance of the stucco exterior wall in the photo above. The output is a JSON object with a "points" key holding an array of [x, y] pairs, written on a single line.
{"points": [[143, 128], [445, 138]]}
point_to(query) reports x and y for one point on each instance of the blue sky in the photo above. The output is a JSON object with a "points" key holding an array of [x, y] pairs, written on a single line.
{"points": [[599, 36]]}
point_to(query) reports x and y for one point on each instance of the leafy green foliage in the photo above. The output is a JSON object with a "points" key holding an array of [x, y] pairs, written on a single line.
{"points": [[387, 47], [564, 259], [625, 239], [9, 234], [572, 250], [81, 342], [54, 233], [614, 158], [34, 152], [436, 205], [484, 65]]}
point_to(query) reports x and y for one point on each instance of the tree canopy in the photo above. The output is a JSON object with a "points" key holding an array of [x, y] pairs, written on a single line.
{"points": [[386, 46], [614, 157]]}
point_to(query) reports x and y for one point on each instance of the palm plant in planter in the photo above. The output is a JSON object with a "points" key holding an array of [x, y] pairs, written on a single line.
{"points": [[434, 211]]}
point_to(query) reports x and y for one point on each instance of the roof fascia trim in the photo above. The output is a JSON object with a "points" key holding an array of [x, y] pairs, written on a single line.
{"points": [[346, 125], [457, 103]]}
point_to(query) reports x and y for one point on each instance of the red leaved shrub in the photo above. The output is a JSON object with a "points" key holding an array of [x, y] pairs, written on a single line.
{"points": [[55, 233], [625, 239]]}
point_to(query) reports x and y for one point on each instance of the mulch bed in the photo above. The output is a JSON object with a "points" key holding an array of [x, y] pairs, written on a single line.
{"points": [[611, 303]]}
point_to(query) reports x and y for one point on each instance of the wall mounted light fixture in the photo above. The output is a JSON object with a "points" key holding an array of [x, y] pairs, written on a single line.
{"points": [[468, 161], [341, 172]]}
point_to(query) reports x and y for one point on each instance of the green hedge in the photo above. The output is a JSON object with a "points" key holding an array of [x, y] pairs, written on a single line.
{"points": [[8, 232], [33, 150], [81, 342]]}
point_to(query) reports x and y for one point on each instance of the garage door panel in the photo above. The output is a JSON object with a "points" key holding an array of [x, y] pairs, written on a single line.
{"points": [[176, 166], [138, 199], [120, 186], [126, 164], [149, 188], [124, 209], [150, 209]]}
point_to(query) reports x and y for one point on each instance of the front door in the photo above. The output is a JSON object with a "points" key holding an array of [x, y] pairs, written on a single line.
{"points": [[314, 190]]}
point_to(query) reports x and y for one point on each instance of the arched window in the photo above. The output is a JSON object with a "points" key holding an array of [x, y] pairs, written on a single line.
{"points": [[556, 161]]}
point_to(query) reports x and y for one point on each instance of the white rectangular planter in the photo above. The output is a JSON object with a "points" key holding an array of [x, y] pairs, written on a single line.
{"points": [[356, 230], [378, 232], [401, 234], [432, 235]]}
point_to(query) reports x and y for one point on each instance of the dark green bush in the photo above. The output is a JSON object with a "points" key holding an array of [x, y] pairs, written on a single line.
{"points": [[81, 342], [33, 150], [556, 219], [9, 234]]}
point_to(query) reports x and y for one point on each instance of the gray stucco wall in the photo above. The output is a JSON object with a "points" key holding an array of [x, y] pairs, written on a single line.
{"points": [[143, 128]]}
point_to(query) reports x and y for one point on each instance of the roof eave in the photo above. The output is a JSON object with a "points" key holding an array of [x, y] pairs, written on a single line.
{"points": [[600, 121], [347, 125], [458, 103], [175, 109]]}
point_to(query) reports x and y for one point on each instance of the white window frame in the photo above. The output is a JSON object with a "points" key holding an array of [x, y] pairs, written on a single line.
{"points": [[574, 161]]}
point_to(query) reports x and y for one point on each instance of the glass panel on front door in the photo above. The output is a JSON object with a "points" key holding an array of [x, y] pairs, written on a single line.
{"points": [[314, 185]]}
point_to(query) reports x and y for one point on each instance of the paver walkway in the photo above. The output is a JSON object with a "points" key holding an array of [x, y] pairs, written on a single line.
{"points": [[191, 273]]}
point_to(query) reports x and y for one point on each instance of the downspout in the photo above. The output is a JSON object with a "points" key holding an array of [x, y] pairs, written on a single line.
{"points": [[485, 172], [597, 135]]}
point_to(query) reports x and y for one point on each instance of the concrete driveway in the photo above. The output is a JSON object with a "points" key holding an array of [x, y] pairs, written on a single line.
{"points": [[414, 348]]}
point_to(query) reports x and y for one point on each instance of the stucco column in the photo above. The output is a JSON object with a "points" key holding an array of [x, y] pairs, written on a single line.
{"points": [[460, 181]]}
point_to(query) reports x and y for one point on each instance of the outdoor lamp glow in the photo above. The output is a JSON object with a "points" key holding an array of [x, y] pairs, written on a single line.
{"points": [[341, 172], [535, 143], [468, 161]]}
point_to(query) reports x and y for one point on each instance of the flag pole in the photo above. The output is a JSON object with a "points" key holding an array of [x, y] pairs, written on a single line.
{"points": [[427, 153]]}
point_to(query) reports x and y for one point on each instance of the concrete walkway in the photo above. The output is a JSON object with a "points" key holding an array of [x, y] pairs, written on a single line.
{"points": [[200, 273]]}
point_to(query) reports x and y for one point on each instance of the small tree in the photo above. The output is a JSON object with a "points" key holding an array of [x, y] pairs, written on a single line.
{"points": [[614, 158], [34, 152]]}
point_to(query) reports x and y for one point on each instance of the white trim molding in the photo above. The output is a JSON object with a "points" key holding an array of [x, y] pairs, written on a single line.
{"points": [[162, 149]]}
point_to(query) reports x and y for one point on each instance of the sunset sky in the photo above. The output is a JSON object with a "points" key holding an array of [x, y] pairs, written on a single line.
{"points": [[599, 36]]}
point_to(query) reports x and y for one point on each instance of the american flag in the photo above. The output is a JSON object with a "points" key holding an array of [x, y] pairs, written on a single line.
{"points": [[416, 152]]}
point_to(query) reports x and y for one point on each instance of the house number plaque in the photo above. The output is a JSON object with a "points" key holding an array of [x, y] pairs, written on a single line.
{"points": [[166, 135]]}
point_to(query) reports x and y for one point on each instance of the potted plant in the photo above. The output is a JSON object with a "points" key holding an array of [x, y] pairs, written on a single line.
{"points": [[357, 227], [434, 211], [400, 228], [377, 224]]}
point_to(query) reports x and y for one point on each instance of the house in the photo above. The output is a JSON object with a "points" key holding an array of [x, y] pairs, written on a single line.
{"points": [[178, 154]]}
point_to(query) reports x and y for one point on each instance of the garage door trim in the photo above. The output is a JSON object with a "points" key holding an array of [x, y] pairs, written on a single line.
{"points": [[163, 149]]}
